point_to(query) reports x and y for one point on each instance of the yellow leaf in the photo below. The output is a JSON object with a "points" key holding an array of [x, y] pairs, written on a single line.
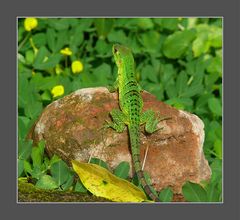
{"points": [[102, 183]]}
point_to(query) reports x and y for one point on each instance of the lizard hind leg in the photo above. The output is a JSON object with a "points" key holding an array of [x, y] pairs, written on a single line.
{"points": [[151, 121], [119, 120]]}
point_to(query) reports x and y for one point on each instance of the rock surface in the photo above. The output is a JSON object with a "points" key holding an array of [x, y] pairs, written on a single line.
{"points": [[73, 129]]}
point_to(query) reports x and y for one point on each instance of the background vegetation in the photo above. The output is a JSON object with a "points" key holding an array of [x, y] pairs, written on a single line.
{"points": [[178, 59]]}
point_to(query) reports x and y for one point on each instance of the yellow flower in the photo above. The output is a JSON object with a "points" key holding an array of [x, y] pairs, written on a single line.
{"points": [[66, 51], [77, 66], [30, 23], [57, 91]]}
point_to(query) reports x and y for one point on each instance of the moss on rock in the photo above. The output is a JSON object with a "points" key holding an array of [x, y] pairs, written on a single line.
{"points": [[27, 192]]}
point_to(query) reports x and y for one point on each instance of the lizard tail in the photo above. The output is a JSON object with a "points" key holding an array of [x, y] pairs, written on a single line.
{"points": [[134, 133]]}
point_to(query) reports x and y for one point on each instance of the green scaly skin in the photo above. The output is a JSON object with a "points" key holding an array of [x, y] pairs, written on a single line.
{"points": [[131, 104]]}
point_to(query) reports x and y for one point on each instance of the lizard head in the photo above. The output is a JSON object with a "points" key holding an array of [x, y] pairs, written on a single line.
{"points": [[121, 53]]}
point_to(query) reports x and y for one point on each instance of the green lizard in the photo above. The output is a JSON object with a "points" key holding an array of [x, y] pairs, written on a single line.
{"points": [[131, 104]]}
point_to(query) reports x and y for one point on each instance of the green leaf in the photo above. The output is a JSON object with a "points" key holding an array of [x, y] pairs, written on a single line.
{"points": [[180, 103], [21, 58], [156, 89], [216, 168], [176, 44], [79, 187], [85, 24], [50, 62], [62, 39], [46, 182], [210, 79], [41, 55], [135, 24], [168, 73], [214, 188], [191, 22], [37, 154], [214, 131], [192, 90], [150, 40], [45, 165], [117, 36], [122, 170], [142, 23], [216, 36], [24, 89], [193, 192], [37, 172], [181, 82], [24, 149], [23, 127], [103, 26], [66, 82], [68, 183], [102, 73], [201, 44], [33, 110], [74, 22], [207, 36], [39, 39], [213, 193], [20, 166], [77, 37], [102, 47], [215, 106], [166, 195], [51, 39], [171, 91], [170, 24], [215, 65], [201, 104], [59, 24], [149, 73], [60, 172], [99, 162], [46, 96], [218, 148], [43, 83], [29, 56], [27, 167]]}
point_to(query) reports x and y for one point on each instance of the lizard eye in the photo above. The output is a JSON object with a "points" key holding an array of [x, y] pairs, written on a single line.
{"points": [[115, 50]]}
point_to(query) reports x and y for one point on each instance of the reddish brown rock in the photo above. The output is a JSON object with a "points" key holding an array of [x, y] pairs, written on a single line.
{"points": [[73, 129]]}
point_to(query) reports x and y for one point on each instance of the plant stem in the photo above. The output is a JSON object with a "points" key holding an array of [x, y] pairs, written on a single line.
{"points": [[24, 40]]}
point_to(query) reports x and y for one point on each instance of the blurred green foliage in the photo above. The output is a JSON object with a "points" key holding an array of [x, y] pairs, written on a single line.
{"points": [[177, 59]]}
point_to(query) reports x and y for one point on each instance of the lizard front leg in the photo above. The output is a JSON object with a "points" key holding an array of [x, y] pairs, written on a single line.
{"points": [[119, 120], [151, 121]]}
